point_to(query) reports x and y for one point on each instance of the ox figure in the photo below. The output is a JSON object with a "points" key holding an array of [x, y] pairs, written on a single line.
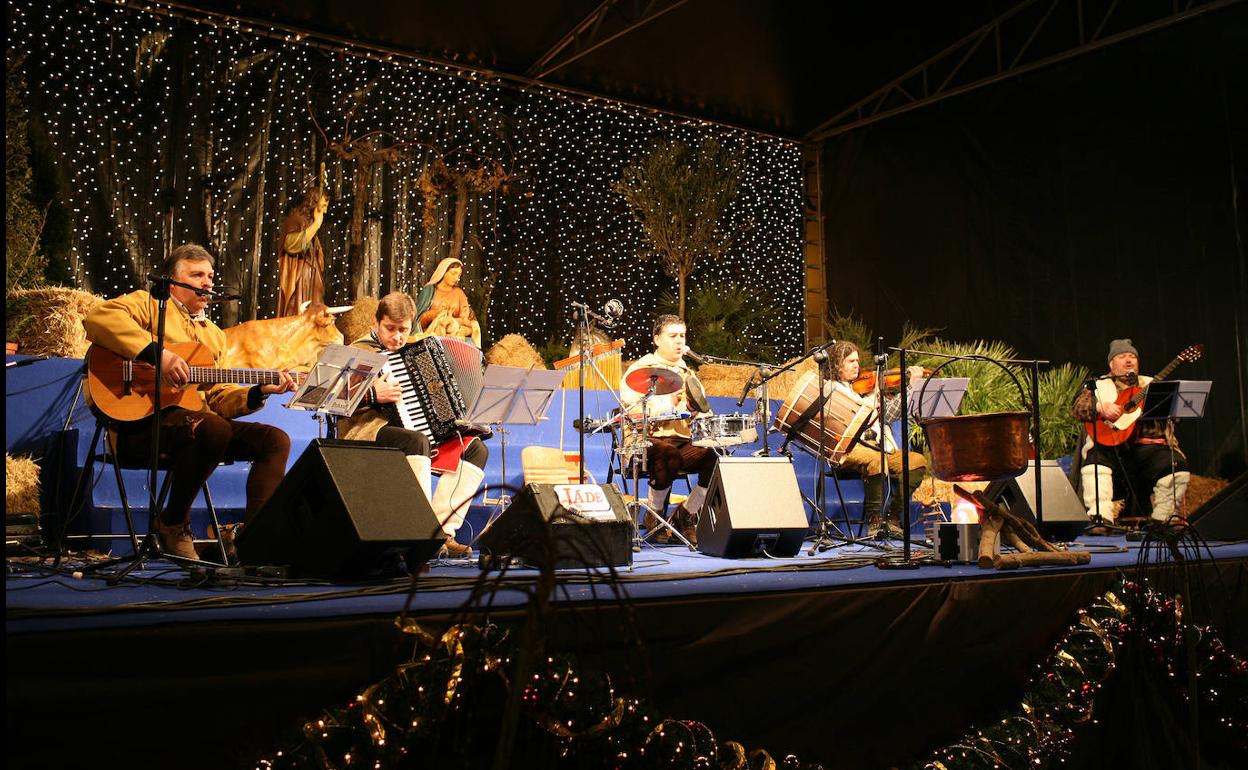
{"points": [[289, 343]]}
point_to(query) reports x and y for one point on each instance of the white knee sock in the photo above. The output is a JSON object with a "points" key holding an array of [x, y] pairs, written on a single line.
{"points": [[694, 502], [1102, 498], [1167, 491], [422, 469], [658, 501], [453, 495]]}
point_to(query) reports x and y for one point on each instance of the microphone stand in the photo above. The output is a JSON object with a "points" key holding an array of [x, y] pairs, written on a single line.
{"points": [[886, 491], [583, 315], [582, 331], [886, 562], [150, 548]]}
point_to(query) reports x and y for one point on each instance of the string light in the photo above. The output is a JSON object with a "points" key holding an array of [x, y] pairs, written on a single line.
{"points": [[155, 116]]}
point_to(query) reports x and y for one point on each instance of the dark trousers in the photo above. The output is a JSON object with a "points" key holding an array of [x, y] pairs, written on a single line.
{"points": [[195, 443], [1137, 468], [670, 456], [414, 442]]}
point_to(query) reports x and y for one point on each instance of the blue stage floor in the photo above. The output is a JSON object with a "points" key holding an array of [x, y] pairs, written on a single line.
{"points": [[37, 601]]}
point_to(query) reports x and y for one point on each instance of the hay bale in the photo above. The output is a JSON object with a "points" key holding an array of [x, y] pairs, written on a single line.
{"points": [[21, 485], [515, 350], [1200, 489], [358, 321], [933, 490], [48, 322], [727, 380]]}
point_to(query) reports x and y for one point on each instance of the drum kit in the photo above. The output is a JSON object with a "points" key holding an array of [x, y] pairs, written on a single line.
{"points": [[720, 432]]}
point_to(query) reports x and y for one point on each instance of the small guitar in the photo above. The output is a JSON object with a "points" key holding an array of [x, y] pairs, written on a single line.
{"points": [[1114, 433], [124, 389]]}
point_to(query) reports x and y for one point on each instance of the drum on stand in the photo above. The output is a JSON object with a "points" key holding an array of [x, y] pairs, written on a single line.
{"points": [[845, 418]]}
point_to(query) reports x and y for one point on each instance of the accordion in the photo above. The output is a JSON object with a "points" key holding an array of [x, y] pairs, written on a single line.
{"points": [[440, 378]]}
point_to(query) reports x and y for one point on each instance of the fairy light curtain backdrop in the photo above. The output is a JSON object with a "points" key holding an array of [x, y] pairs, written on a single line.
{"points": [[173, 127]]}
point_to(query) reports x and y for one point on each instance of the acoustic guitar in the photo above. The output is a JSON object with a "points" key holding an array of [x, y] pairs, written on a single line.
{"points": [[125, 390], [1114, 433]]}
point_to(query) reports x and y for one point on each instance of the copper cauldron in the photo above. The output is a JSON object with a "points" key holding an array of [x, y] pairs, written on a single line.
{"points": [[979, 447]]}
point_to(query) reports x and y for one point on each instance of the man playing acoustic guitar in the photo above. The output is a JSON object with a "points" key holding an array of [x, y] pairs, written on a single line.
{"points": [[1141, 464], [199, 433]]}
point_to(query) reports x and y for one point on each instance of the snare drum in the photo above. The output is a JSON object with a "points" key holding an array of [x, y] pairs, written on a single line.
{"points": [[846, 419], [724, 430]]}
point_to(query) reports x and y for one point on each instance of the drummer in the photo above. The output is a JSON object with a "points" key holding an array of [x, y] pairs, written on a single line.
{"points": [[842, 368], [671, 450]]}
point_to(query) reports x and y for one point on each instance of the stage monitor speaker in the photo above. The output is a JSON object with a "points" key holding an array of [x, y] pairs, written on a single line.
{"points": [[1225, 515], [589, 526], [1065, 518], [753, 508], [346, 509]]}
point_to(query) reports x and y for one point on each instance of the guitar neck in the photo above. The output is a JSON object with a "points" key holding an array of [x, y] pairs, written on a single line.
{"points": [[1138, 398], [207, 375]]}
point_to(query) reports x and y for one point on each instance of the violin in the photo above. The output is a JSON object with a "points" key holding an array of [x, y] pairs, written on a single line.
{"points": [[865, 382]]}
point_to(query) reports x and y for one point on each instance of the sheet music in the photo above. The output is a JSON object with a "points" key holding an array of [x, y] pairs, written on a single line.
{"points": [[514, 396], [1175, 399], [942, 399], [338, 382]]}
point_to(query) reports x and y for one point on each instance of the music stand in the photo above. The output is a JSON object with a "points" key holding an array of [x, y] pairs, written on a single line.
{"points": [[1175, 400], [942, 398], [510, 395], [338, 381]]}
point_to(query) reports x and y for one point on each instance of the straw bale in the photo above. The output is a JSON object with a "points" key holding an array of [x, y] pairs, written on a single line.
{"points": [[48, 322], [514, 350], [727, 380], [1200, 489], [358, 321], [933, 490], [21, 485]]}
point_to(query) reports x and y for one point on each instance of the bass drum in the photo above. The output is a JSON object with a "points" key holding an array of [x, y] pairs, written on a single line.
{"points": [[844, 423]]}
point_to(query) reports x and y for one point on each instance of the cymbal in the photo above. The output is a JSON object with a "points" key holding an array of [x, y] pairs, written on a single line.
{"points": [[666, 381]]}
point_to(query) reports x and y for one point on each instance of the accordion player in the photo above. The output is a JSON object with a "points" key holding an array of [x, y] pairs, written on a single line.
{"points": [[417, 407]]}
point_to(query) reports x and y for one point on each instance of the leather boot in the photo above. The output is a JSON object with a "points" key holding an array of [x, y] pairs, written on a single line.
{"points": [[873, 503], [651, 524], [691, 510], [176, 539]]}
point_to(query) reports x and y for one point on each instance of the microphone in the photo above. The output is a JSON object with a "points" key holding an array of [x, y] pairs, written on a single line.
{"points": [[749, 384], [611, 312], [24, 362], [694, 357], [164, 279]]}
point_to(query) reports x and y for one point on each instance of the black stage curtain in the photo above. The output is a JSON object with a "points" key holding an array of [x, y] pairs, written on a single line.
{"points": [[854, 678], [1055, 211]]}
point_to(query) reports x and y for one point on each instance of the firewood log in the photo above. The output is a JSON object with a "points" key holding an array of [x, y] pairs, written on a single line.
{"points": [[1036, 559]]}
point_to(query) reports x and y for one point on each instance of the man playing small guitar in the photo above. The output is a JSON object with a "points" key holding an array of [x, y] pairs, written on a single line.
{"points": [[198, 434], [1135, 453]]}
